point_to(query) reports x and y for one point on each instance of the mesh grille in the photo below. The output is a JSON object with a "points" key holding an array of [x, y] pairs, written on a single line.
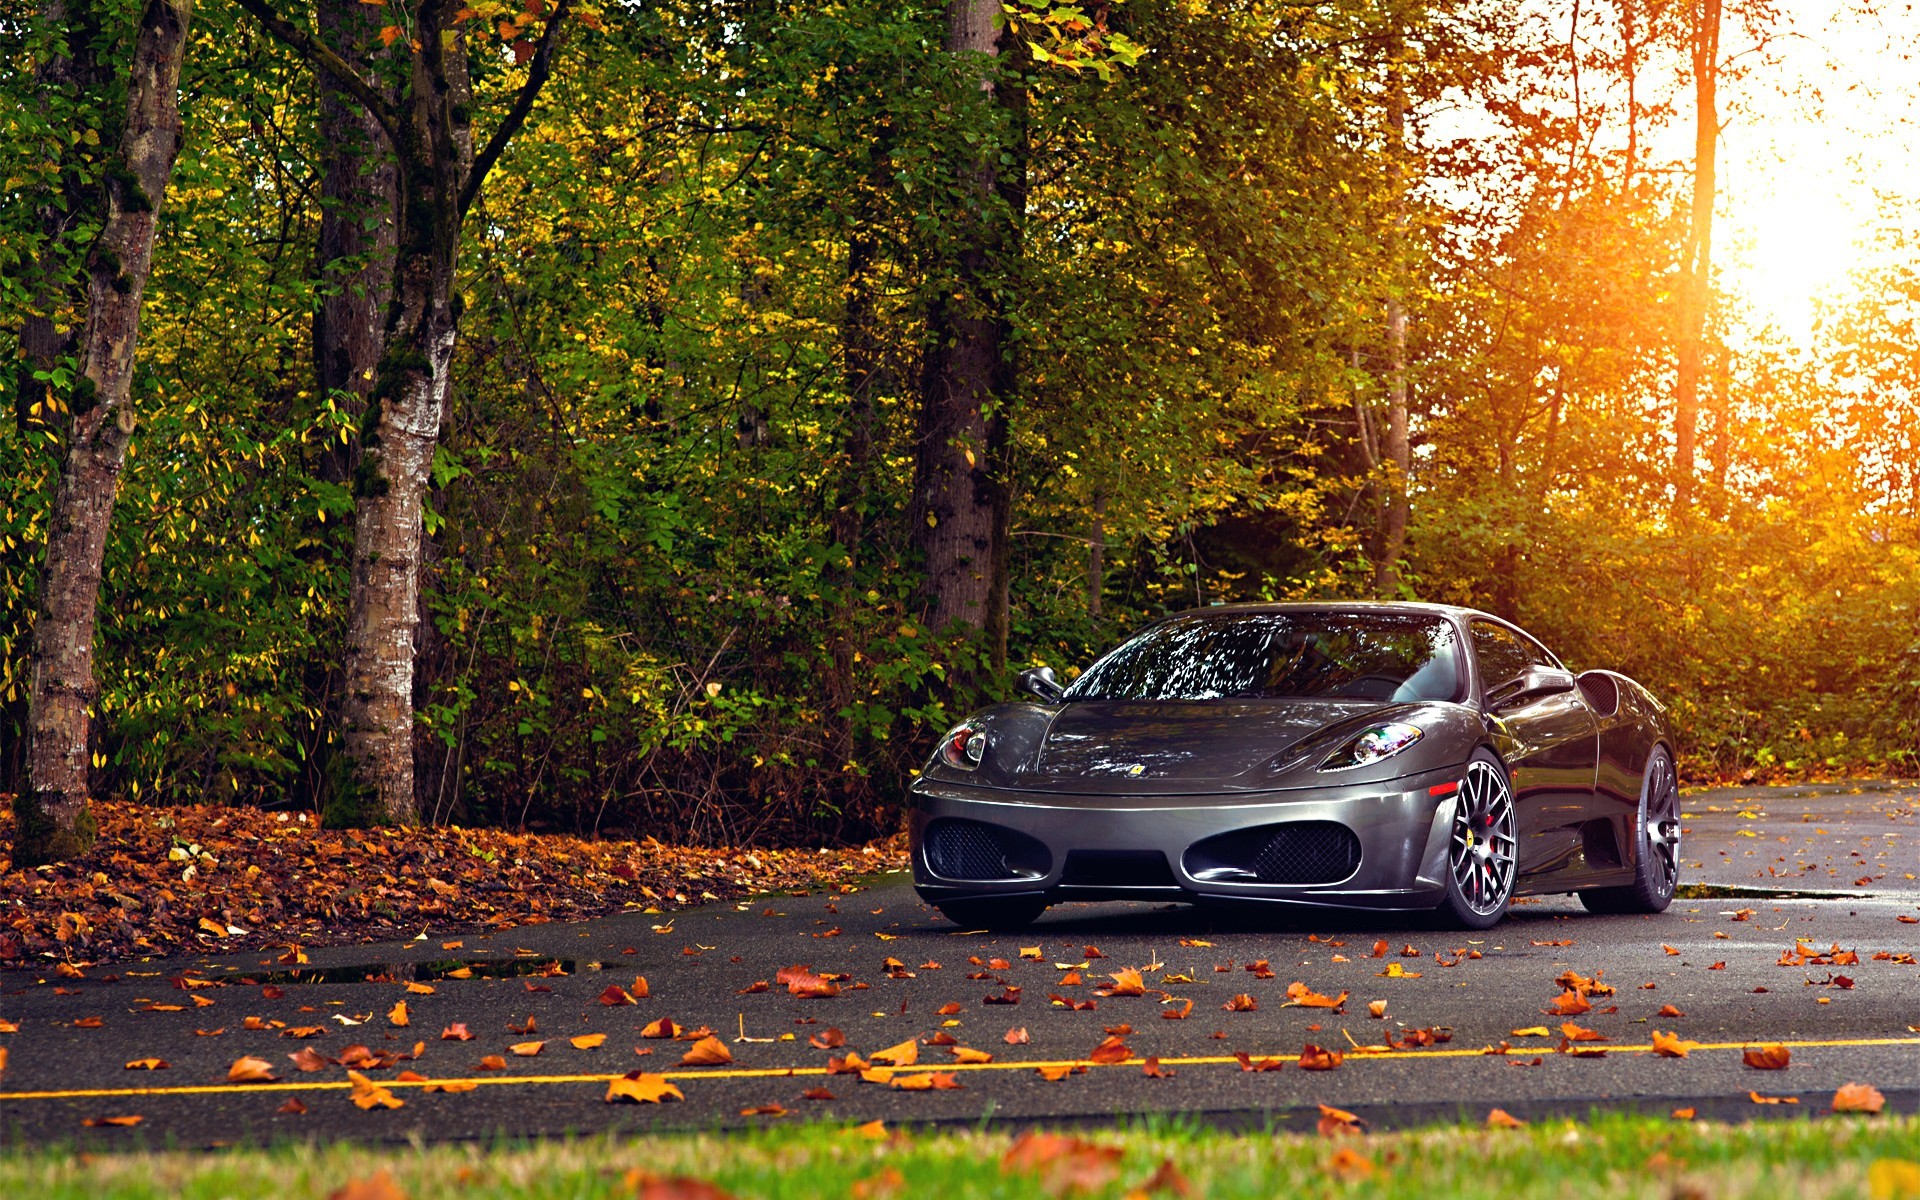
{"points": [[1308, 852], [966, 850]]}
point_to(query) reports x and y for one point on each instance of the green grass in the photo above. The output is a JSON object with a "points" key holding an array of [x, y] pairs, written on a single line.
{"points": [[1607, 1158]]}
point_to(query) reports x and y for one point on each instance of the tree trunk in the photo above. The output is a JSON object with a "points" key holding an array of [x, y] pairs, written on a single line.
{"points": [[401, 429], [1097, 556], [1698, 267], [438, 175], [953, 490], [353, 259], [1397, 451], [51, 819]]}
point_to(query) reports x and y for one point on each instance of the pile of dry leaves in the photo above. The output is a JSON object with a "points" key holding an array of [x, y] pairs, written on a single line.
{"points": [[201, 879]]}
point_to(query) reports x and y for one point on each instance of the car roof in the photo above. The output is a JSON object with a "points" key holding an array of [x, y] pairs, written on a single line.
{"points": [[1410, 607]]}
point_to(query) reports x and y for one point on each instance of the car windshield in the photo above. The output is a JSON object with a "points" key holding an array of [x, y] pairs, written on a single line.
{"points": [[1261, 656]]}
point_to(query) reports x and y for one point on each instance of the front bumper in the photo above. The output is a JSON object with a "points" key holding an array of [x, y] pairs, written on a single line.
{"points": [[1091, 847]]}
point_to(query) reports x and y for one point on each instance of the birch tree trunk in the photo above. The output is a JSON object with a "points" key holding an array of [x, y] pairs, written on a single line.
{"points": [[51, 819], [438, 175]]}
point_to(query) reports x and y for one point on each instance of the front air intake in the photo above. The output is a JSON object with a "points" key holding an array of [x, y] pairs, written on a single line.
{"points": [[1308, 852], [1296, 852], [974, 850]]}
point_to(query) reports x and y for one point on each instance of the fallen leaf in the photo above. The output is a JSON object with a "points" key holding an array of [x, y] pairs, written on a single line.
{"points": [[1668, 1010], [1299, 995], [1167, 1178], [1669, 1045], [1127, 981], [1570, 1003], [967, 1054], [1054, 1074], [1683, 1114], [456, 1032], [452, 1086], [492, 1062], [638, 1087], [1153, 1070], [707, 1052], [1500, 1118], [1112, 1050], [1349, 1164], [1313, 1058], [1241, 1003], [306, 1058], [873, 1130], [1767, 1058], [903, 1055], [926, 1081], [1063, 1163], [294, 1107], [816, 1093], [526, 1049], [1575, 1033], [764, 1110], [127, 1122], [1016, 1037], [368, 1095], [615, 995], [588, 1041], [1377, 1009], [397, 1015], [1757, 1098], [1858, 1097], [420, 989], [1338, 1122], [251, 1070], [138, 1064]]}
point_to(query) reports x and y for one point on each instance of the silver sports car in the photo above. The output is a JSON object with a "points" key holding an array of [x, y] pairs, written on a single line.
{"points": [[1380, 756]]}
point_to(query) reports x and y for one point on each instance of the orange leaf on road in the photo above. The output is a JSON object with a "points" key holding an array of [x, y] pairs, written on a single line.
{"points": [[638, 1087], [250, 1070], [1669, 1045], [1313, 1058], [1767, 1058], [1500, 1118], [707, 1052], [1858, 1097], [138, 1064]]}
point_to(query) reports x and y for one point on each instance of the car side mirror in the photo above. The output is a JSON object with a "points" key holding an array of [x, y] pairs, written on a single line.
{"points": [[1537, 683], [1039, 681]]}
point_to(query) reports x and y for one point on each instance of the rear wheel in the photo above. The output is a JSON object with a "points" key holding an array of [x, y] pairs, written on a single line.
{"points": [[1482, 850], [1002, 914], [1656, 865]]}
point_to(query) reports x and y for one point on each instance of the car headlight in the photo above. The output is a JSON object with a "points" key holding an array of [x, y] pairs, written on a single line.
{"points": [[1372, 745], [963, 747]]}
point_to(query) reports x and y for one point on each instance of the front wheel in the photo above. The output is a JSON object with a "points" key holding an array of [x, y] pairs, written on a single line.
{"points": [[1656, 850], [1483, 849], [995, 915]]}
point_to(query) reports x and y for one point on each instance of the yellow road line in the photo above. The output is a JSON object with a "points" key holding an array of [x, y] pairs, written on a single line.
{"points": [[1203, 1060]]}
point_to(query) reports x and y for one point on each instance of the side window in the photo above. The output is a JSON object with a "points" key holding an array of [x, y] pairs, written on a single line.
{"points": [[1502, 654]]}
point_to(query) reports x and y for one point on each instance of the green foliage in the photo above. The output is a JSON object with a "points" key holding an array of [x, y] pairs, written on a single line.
{"points": [[670, 585]]}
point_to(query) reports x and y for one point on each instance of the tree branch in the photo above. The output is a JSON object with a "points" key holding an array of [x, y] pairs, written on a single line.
{"points": [[517, 115], [316, 52]]}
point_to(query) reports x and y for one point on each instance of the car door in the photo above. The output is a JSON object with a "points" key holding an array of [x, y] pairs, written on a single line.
{"points": [[1551, 749]]}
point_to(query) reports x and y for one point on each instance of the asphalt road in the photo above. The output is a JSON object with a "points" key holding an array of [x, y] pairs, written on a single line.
{"points": [[1719, 960]]}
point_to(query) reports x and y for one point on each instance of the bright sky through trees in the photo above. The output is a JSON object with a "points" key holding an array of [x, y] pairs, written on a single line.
{"points": [[1822, 139]]}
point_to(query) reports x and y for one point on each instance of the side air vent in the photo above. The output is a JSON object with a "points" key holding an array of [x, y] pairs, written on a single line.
{"points": [[1298, 852], [1601, 692], [974, 850]]}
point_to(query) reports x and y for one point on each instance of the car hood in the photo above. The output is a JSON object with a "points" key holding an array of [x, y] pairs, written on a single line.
{"points": [[1191, 748], [1214, 740]]}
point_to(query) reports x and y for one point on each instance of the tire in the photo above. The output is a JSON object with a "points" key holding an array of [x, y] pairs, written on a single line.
{"points": [[995, 915], [1483, 849], [1656, 846]]}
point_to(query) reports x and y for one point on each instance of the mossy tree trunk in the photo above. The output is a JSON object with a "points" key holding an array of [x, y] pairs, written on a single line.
{"points": [[51, 818]]}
